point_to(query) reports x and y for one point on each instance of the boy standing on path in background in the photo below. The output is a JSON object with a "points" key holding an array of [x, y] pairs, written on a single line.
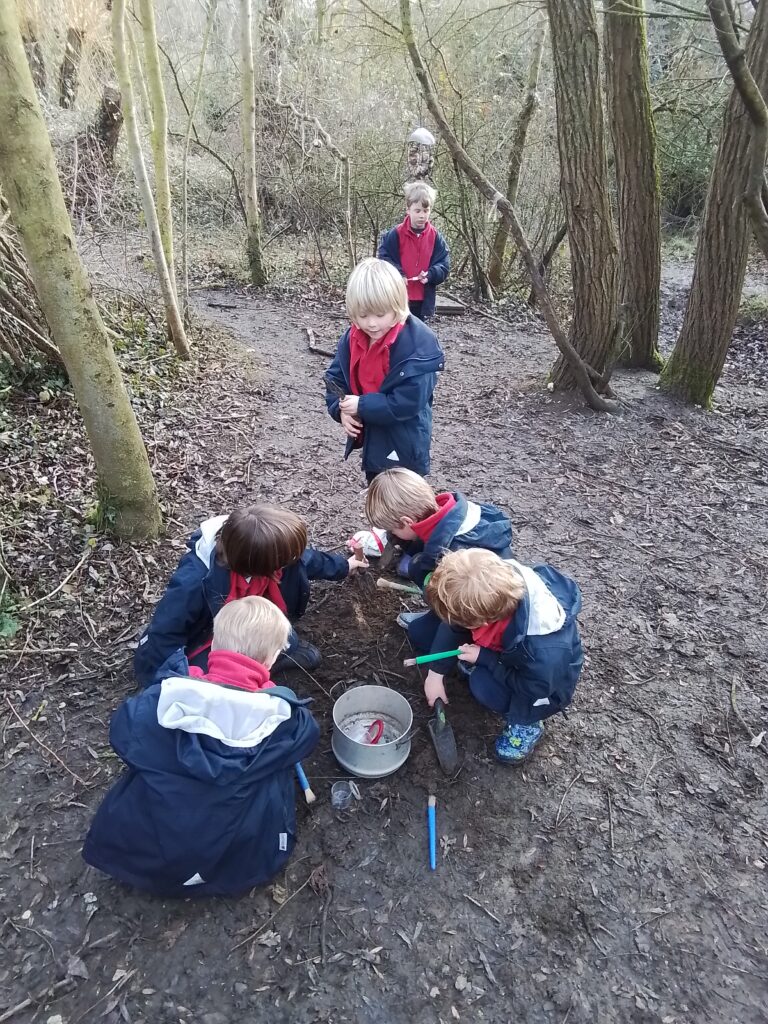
{"points": [[417, 250]]}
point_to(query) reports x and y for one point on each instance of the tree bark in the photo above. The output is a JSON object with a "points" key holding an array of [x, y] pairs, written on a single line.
{"points": [[175, 325], [637, 178], [159, 134], [69, 72], [696, 363], [758, 115], [583, 374], [34, 52], [30, 181], [584, 184], [248, 128], [528, 109]]}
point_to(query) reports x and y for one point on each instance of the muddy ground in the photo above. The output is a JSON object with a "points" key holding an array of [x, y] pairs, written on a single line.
{"points": [[619, 876]]}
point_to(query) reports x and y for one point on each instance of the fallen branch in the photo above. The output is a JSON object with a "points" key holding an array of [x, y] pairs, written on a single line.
{"points": [[314, 347], [64, 582], [43, 745], [268, 922]]}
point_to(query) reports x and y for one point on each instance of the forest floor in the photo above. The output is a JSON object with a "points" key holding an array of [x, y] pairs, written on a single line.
{"points": [[619, 876]]}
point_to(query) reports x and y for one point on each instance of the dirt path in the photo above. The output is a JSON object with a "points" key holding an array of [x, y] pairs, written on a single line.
{"points": [[620, 877]]}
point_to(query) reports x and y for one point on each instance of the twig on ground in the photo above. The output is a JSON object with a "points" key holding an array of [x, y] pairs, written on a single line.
{"points": [[485, 910], [571, 784], [314, 347], [64, 582], [43, 745], [268, 922], [49, 990]]}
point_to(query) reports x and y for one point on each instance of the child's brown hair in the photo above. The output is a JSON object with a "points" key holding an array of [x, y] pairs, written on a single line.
{"points": [[260, 539], [395, 494], [473, 587], [252, 626]]}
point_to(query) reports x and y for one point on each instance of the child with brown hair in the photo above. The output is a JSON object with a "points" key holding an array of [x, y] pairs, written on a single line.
{"points": [[516, 630], [256, 551], [382, 378], [207, 805], [418, 251]]}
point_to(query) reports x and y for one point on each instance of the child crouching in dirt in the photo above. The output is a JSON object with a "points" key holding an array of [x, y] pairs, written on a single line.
{"points": [[429, 524], [256, 551], [384, 373], [516, 629], [208, 803]]}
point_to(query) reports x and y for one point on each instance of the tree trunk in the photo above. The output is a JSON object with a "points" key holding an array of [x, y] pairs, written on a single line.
{"points": [[248, 127], [528, 109], [34, 52], [30, 181], [637, 178], [175, 325], [694, 367], [584, 184], [69, 72], [159, 134]]}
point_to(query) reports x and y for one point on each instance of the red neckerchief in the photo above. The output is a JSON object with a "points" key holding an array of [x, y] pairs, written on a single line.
{"points": [[229, 668], [423, 529], [369, 363], [416, 248], [257, 586], [490, 634]]}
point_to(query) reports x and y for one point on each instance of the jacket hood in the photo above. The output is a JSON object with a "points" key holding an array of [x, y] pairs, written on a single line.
{"points": [[539, 612], [474, 525], [204, 539]]}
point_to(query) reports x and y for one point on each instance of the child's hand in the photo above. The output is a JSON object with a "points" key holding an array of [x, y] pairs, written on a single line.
{"points": [[469, 653], [434, 689], [355, 564], [352, 425], [423, 276], [349, 404]]}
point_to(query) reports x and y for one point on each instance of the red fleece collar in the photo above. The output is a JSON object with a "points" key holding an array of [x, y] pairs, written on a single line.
{"points": [[423, 530], [490, 635], [229, 668]]}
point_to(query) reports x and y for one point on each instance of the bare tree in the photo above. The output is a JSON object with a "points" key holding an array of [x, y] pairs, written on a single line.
{"points": [[29, 178], [248, 128], [696, 363], [584, 184], [637, 179]]}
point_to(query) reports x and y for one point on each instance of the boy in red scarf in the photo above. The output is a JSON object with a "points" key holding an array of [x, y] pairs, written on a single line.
{"points": [[382, 378], [417, 251]]}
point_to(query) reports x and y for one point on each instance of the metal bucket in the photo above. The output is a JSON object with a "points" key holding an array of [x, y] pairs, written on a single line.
{"points": [[363, 705]]}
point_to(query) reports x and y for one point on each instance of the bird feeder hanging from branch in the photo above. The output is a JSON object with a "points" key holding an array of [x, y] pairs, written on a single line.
{"points": [[421, 158]]}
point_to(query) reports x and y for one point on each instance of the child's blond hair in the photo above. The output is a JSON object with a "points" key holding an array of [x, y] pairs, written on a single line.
{"points": [[397, 493], [375, 286], [473, 587], [252, 626], [419, 192]]}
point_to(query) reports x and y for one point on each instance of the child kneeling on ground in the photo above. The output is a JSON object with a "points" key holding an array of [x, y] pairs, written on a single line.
{"points": [[516, 629], [429, 524], [386, 366], [208, 804], [257, 551]]}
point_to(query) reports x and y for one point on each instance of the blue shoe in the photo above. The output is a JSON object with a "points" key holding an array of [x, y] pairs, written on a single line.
{"points": [[404, 619], [516, 742], [302, 655], [403, 566]]}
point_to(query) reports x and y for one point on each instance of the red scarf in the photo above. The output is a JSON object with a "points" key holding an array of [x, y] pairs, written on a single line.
{"points": [[369, 363], [257, 586], [490, 634], [416, 248], [232, 669], [423, 529]]}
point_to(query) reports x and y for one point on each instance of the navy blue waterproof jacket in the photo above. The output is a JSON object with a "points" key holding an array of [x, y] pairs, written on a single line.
{"points": [[535, 674], [200, 586], [397, 418], [468, 524], [439, 266], [208, 803]]}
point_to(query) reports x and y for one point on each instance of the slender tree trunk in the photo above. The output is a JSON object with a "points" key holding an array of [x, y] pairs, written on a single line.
{"points": [[69, 73], [248, 126], [584, 184], [30, 181], [637, 178], [34, 52], [528, 109], [585, 376], [137, 70], [185, 156], [696, 363], [159, 134], [175, 325]]}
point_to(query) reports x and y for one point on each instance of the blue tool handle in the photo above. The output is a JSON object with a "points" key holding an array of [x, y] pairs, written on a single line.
{"points": [[303, 780], [432, 823]]}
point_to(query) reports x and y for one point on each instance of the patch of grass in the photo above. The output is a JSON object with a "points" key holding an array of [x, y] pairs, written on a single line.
{"points": [[753, 309]]}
